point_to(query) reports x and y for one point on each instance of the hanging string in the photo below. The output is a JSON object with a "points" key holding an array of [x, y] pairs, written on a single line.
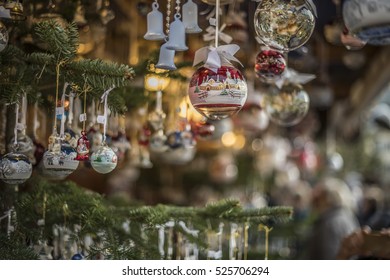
{"points": [[103, 119], [246, 239], [85, 110], [71, 101], [16, 123], [62, 127], [58, 66], [267, 231], [24, 113], [217, 24]]}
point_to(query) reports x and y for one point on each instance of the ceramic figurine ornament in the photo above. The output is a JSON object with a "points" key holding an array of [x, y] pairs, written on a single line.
{"points": [[190, 17], [368, 20], [155, 24], [82, 148]]}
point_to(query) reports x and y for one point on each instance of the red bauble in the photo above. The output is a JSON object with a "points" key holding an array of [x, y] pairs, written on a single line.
{"points": [[218, 95], [144, 136], [82, 148], [270, 65], [203, 129]]}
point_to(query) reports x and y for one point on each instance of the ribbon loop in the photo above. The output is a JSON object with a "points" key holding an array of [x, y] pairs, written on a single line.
{"points": [[104, 99], [214, 57]]}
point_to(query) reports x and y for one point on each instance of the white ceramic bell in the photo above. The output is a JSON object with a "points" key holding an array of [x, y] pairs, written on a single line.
{"points": [[166, 58], [190, 17], [155, 24], [177, 35]]}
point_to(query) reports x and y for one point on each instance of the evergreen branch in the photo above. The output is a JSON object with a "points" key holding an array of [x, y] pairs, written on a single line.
{"points": [[60, 41]]}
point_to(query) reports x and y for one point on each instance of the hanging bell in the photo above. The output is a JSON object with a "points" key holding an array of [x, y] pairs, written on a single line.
{"points": [[177, 35], [190, 17], [166, 58], [155, 24]]}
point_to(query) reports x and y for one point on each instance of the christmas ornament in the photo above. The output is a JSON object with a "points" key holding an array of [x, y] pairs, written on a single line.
{"points": [[121, 145], [270, 65], [177, 33], [155, 24], [106, 13], [350, 41], [16, 9], [144, 136], [190, 17], [157, 142], [82, 148], [77, 257], [104, 160], [15, 168], [220, 94], [3, 36], [252, 117], [284, 25], [203, 129], [174, 139], [25, 145], [59, 160], [368, 20], [288, 105]]}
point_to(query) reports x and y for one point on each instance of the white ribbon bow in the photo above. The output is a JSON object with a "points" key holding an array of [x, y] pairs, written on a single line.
{"points": [[293, 76], [212, 57]]}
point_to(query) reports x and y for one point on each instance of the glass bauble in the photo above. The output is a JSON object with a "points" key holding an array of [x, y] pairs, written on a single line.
{"points": [[218, 95], [104, 160], [287, 106], [284, 24], [59, 163], [270, 65], [15, 168], [3, 36]]}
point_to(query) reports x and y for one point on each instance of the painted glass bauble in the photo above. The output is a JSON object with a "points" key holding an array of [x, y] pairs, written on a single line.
{"points": [[288, 105], [59, 161], [104, 160], [218, 95], [15, 168], [284, 25]]}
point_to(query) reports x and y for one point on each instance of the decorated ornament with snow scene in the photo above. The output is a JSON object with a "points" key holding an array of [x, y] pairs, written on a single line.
{"points": [[218, 93]]}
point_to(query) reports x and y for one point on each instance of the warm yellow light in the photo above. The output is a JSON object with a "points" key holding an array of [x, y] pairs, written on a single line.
{"points": [[156, 83], [240, 142], [228, 139]]}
